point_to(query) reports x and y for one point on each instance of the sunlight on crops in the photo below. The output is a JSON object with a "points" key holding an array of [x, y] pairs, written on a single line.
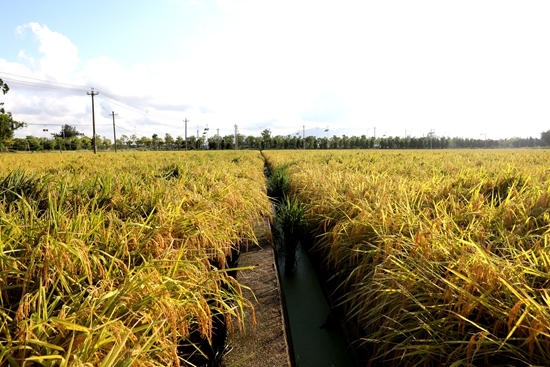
{"points": [[442, 257], [118, 259]]}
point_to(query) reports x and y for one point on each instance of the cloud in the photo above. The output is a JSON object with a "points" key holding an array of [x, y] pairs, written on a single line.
{"points": [[60, 56], [404, 66]]}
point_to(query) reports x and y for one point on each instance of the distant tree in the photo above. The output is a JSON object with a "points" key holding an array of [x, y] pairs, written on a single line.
{"points": [[191, 142], [324, 143], [169, 141], [145, 142], [311, 142], [47, 144], [214, 142], [33, 143], [545, 137], [68, 131], [4, 87], [119, 143], [286, 142], [75, 143], [278, 142], [8, 125], [86, 143], [155, 140], [122, 141], [20, 144], [344, 141], [335, 142], [250, 142], [106, 143], [266, 138], [180, 143]]}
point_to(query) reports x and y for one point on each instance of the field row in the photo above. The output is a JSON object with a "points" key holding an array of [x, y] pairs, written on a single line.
{"points": [[441, 258], [120, 259]]}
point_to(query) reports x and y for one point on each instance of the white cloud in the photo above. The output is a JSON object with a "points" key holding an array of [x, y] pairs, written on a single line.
{"points": [[462, 69], [60, 56]]}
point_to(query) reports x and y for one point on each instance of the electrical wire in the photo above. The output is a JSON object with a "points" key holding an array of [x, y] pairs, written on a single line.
{"points": [[73, 87], [42, 80], [109, 98], [87, 125], [48, 86], [41, 83]]}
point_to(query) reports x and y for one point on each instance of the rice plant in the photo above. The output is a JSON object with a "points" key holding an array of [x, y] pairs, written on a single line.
{"points": [[121, 259], [278, 183], [290, 229], [440, 257]]}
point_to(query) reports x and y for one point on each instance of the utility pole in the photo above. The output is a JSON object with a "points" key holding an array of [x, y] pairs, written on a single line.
{"points": [[92, 93], [114, 131], [205, 134], [185, 134], [304, 136], [236, 137], [218, 135]]}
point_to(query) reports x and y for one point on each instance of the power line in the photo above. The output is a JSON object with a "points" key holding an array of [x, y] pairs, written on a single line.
{"points": [[48, 86], [41, 83], [125, 129], [42, 80], [31, 124], [113, 99]]}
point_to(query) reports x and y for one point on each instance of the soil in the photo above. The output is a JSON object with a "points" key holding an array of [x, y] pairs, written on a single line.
{"points": [[267, 343]]}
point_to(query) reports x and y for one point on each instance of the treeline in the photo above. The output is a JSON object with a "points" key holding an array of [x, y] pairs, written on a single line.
{"points": [[82, 142]]}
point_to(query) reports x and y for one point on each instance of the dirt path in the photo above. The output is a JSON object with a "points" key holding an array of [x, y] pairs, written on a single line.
{"points": [[266, 345]]}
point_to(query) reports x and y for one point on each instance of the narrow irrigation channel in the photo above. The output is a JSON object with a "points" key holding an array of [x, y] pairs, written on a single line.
{"points": [[315, 336]]}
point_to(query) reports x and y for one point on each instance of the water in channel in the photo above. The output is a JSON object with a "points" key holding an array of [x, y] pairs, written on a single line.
{"points": [[307, 311]]}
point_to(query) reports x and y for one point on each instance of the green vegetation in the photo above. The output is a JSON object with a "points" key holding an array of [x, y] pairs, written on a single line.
{"points": [[278, 184], [290, 229]]}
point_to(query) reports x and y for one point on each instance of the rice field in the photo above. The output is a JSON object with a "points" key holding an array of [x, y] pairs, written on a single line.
{"points": [[441, 258], [122, 259]]}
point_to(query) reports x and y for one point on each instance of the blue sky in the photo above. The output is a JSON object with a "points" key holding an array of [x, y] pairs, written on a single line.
{"points": [[469, 68]]}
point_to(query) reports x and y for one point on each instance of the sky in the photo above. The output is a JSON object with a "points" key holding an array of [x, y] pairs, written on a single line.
{"points": [[471, 68]]}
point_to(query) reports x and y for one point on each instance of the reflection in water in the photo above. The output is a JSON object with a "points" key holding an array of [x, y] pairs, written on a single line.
{"points": [[308, 311]]}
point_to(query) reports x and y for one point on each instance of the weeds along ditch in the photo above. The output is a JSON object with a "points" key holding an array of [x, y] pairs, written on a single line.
{"points": [[314, 333], [432, 257], [123, 259]]}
